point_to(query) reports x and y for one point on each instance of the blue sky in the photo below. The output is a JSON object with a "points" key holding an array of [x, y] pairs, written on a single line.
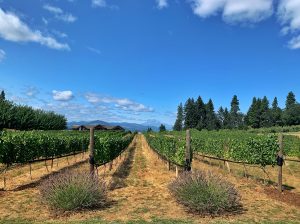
{"points": [[136, 60]]}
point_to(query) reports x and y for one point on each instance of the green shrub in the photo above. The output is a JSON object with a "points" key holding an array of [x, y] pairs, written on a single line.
{"points": [[205, 193], [73, 191]]}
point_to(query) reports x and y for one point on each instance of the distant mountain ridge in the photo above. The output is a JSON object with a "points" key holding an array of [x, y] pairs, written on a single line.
{"points": [[153, 124]]}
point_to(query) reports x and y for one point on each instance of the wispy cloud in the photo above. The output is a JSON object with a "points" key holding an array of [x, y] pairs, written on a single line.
{"points": [[99, 3], [62, 95], [2, 55], [60, 14], [31, 91], [13, 29], [234, 11], [289, 16], [162, 4], [53, 9], [120, 103], [294, 43], [103, 4], [94, 50]]}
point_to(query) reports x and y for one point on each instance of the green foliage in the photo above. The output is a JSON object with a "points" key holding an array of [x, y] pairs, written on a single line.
{"points": [[275, 129], [27, 146], [162, 128], [2, 95], [108, 147], [179, 120], [291, 146], [190, 114], [26, 118], [72, 191], [205, 193], [237, 145], [168, 146]]}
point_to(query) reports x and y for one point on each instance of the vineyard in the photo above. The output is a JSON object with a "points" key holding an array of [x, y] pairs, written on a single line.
{"points": [[239, 146], [31, 146], [139, 172]]}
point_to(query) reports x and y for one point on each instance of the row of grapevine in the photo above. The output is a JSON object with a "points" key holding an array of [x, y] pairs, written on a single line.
{"points": [[107, 148], [168, 146], [239, 146], [28, 146]]}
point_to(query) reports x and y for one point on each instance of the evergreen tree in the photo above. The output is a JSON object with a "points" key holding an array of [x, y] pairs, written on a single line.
{"points": [[236, 118], [200, 114], [2, 95], [226, 122], [179, 120], [276, 113], [149, 130], [253, 114], [291, 113], [290, 100], [221, 117], [162, 128], [265, 113], [211, 119], [190, 115]]}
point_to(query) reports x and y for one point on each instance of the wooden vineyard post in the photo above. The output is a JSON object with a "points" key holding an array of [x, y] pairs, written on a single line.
{"points": [[280, 162], [188, 161], [92, 152], [176, 167]]}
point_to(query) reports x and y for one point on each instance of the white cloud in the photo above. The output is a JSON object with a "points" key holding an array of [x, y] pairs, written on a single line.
{"points": [[120, 103], [234, 10], [99, 3], [13, 29], [94, 50], [59, 13], [2, 55], [289, 16], [294, 43], [53, 9], [59, 34], [62, 95], [162, 4], [206, 8], [247, 10]]}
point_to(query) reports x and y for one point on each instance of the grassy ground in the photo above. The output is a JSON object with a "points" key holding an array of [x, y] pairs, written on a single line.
{"points": [[139, 194]]}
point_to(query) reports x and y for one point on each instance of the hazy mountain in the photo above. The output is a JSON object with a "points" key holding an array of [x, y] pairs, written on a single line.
{"points": [[154, 124]]}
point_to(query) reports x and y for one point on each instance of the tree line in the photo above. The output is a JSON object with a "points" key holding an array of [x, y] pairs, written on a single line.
{"points": [[20, 117], [200, 115]]}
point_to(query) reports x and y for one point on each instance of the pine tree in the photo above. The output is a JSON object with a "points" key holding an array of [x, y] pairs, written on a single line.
{"points": [[290, 100], [179, 120], [162, 128], [276, 113], [265, 113], [226, 122], [291, 113], [221, 117], [211, 119], [200, 114], [190, 116], [2, 95], [254, 113], [236, 118]]}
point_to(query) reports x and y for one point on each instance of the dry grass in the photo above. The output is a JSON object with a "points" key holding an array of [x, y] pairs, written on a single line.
{"points": [[142, 194]]}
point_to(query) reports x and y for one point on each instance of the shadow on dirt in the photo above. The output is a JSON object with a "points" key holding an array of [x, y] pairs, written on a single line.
{"points": [[123, 171]]}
